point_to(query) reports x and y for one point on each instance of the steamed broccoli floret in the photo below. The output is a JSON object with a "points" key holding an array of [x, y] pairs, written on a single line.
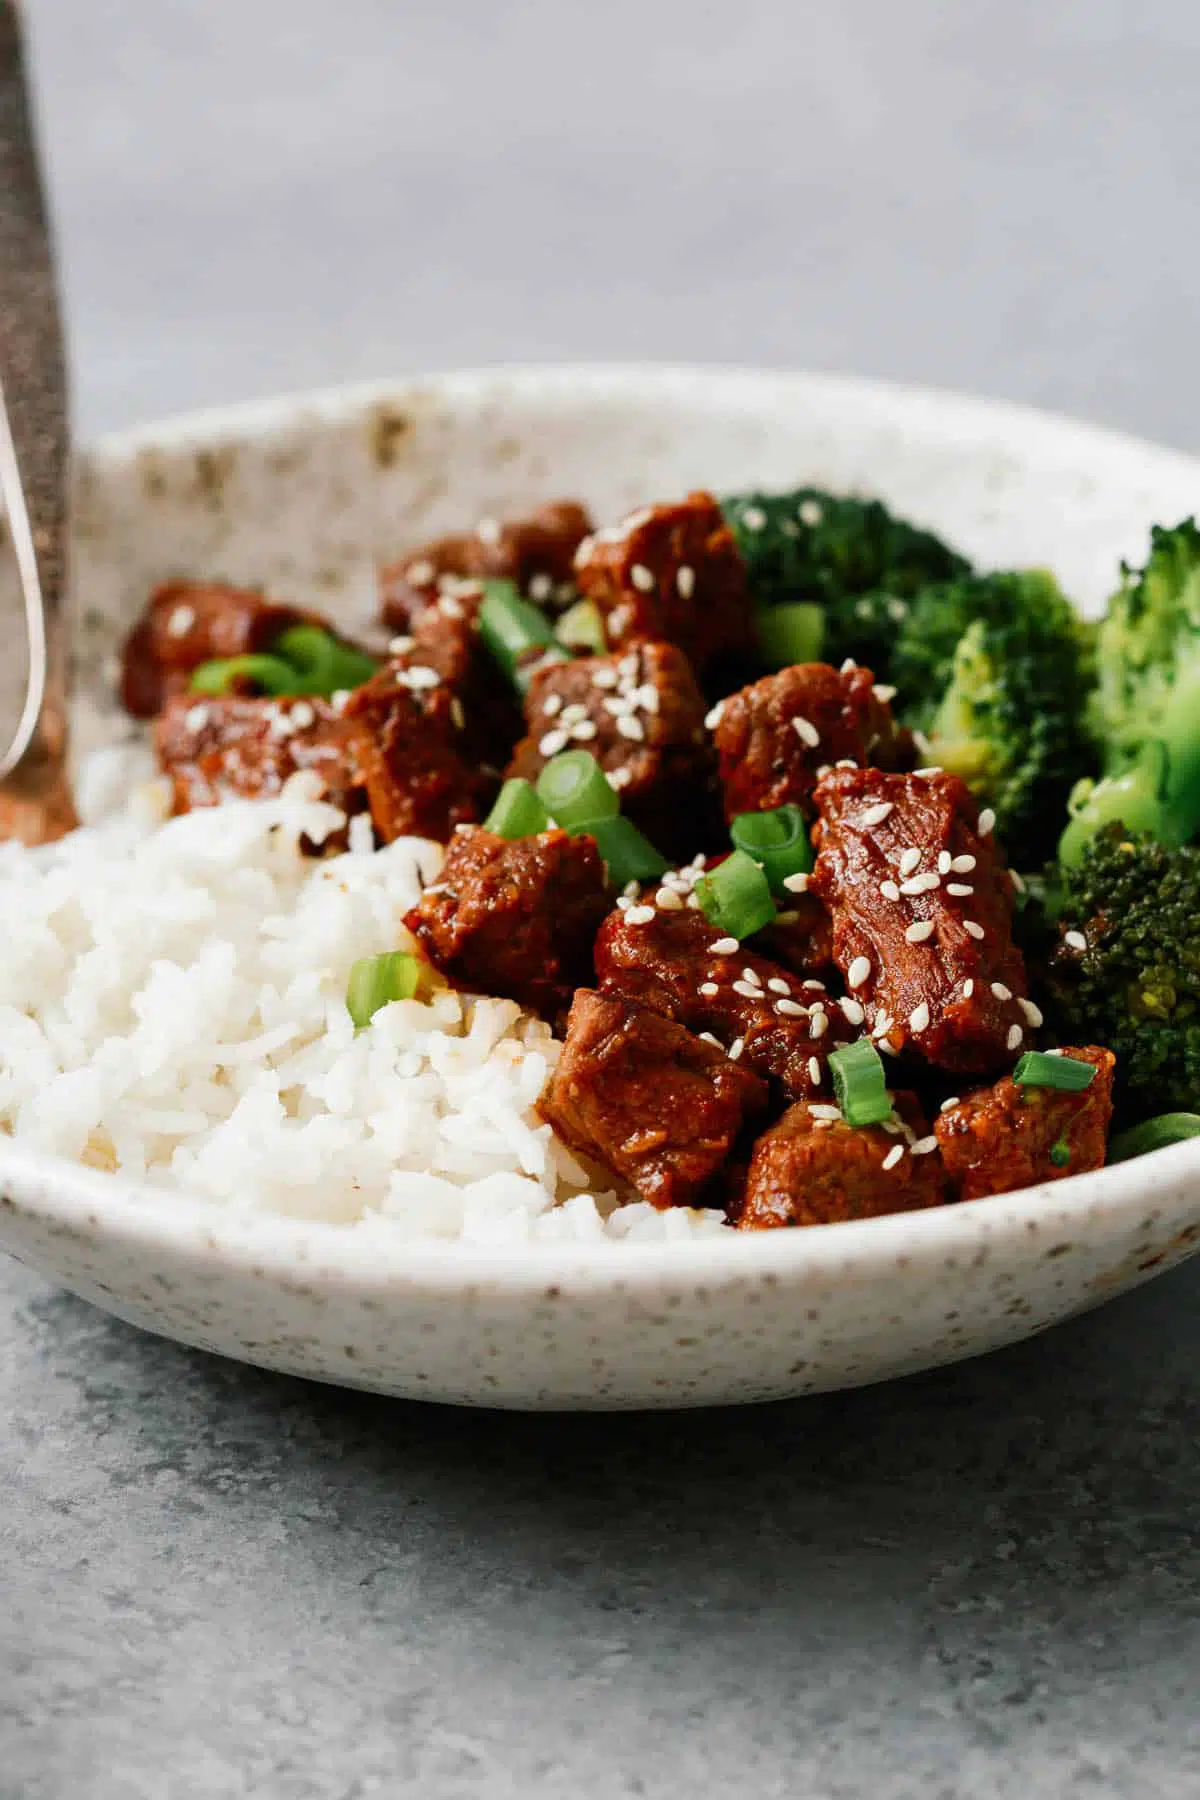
{"points": [[1126, 971], [1145, 711], [995, 671], [854, 557]]}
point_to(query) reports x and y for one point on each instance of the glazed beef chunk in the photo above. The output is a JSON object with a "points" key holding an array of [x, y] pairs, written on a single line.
{"points": [[641, 715], [659, 1107], [814, 1169], [515, 917], [412, 754], [921, 906], [1005, 1137], [670, 572], [678, 964], [537, 553], [444, 639], [188, 623], [801, 939], [774, 737]]}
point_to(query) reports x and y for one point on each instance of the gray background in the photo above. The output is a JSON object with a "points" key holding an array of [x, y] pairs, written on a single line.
{"points": [[979, 1583]]}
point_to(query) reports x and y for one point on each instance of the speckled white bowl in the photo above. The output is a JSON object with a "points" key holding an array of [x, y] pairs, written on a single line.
{"points": [[305, 495]]}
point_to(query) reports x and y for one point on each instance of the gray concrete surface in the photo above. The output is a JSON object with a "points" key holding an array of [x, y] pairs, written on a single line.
{"points": [[985, 1582]]}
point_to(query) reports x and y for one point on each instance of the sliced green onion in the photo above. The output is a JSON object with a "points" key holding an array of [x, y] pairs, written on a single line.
{"points": [[518, 812], [511, 628], [582, 628], [629, 855], [1036, 1069], [736, 897], [375, 980], [1060, 1153], [778, 842], [269, 674], [860, 1084], [1154, 1134], [573, 787], [792, 633], [327, 665]]}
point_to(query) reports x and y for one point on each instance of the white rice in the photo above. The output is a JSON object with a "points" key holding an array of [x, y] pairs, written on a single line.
{"points": [[172, 1006]]}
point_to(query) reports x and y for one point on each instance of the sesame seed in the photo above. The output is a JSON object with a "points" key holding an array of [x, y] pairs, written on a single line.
{"points": [[1032, 1012], [828, 1115], [572, 714], [753, 518], [631, 728], [450, 608], [919, 931], [646, 697], [962, 865], [639, 915], [845, 762], [1017, 881], [929, 769], [1000, 991], [875, 815], [693, 900], [420, 573], [924, 1146], [419, 677], [945, 862], [883, 1024], [619, 778], [909, 860], [752, 976], [947, 1105], [605, 676], [973, 929], [488, 531], [642, 578], [400, 646], [685, 581], [1055, 1053], [541, 586], [796, 884], [632, 888], [584, 731], [968, 987], [747, 990], [196, 718], [858, 972], [810, 983], [303, 716], [181, 621], [852, 1012], [789, 1009], [848, 667], [552, 743], [787, 918], [1075, 940], [893, 1156], [669, 900], [914, 885], [710, 1039], [709, 989], [883, 693], [810, 512], [456, 710], [889, 890], [987, 821], [778, 985], [1015, 1035], [724, 947], [623, 903], [735, 1049], [814, 1071], [818, 1024], [806, 731], [887, 1046], [713, 718], [960, 889], [918, 1018]]}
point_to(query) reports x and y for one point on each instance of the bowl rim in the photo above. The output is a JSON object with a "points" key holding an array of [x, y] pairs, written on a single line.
{"points": [[60, 1193]]}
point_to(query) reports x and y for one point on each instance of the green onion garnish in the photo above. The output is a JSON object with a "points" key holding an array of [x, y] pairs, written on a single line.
{"points": [[792, 633], [511, 627], [269, 674], [860, 1084], [1154, 1134], [573, 787], [629, 855], [518, 812], [375, 980], [736, 897], [1060, 1153], [327, 665], [582, 628], [1036, 1069], [778, 842]]}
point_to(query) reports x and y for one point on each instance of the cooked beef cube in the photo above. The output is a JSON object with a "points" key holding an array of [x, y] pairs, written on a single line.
{"points": [[921, 905], [773, 1022], [773, 737], [662, 1109], [444, 638], [1005, 1137], [515, 917], [537, 553], [411, 755], [670, 572], [246, 747], [641, 715], [801, 939], [814, 1169], [185, 624]]}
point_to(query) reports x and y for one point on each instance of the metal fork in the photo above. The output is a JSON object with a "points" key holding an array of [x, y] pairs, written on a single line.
{"points": [[35, 797]]}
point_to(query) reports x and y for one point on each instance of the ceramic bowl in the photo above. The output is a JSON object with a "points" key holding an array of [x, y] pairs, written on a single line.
{"points": [[305, 495]]}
